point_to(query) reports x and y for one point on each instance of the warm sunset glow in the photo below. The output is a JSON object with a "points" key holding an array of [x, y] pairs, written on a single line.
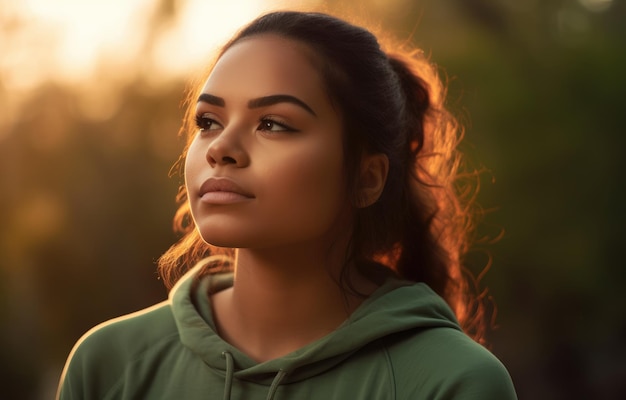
{"points": [[61, 39], [100, 46], [69, 40], [202, 27]]}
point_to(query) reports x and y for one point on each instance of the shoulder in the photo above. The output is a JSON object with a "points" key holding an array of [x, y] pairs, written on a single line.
{"points": [[102, 354], [445, 363], [131, 333]]}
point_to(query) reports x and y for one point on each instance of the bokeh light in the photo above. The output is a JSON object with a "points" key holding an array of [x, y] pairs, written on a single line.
{"points": [[596, 5]]}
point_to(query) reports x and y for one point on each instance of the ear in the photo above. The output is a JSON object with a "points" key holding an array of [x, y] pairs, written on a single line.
{"points": [[372, 178]]}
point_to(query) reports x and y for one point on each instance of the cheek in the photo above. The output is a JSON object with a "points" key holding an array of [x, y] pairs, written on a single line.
{"points": [[309, 185], [192, 161], [192, 170]]}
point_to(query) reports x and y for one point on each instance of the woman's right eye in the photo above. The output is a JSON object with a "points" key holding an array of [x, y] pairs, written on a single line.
{"points": [[205, 123]]}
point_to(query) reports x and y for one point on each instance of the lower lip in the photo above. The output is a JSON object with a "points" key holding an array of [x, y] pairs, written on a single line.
{"points": [[223, 198]]}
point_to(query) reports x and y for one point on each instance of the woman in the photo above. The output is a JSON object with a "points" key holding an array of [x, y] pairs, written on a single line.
{"points": [[329, 166]]}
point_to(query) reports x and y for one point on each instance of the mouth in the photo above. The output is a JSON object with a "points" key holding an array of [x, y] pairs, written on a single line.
{"points": [[222, 191]]}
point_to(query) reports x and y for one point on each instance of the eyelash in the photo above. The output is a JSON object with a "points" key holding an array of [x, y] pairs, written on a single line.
{"points": [[274, 121], [205, 123], [202, 121]]}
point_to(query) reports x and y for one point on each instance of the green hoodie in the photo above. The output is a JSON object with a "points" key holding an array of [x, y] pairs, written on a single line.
{"points": [[403, 342]]}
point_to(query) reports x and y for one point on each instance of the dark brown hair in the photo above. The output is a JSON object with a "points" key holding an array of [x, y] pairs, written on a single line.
{"points": [[392, 102]]}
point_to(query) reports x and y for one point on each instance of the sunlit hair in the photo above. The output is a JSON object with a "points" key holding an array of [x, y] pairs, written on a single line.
{"points": [[391, 101]]}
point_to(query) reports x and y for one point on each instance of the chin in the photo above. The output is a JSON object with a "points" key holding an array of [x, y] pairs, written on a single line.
{"points": [[221, 240], [227, 237]]}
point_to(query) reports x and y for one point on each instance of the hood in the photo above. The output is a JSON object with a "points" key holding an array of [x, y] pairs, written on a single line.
{"points": [[397, 306]]}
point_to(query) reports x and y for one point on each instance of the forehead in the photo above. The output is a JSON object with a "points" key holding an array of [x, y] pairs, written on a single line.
{"points": [[265, 64]]}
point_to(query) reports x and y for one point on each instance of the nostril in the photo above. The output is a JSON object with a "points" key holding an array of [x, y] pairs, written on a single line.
{"points": [[228, 160]]}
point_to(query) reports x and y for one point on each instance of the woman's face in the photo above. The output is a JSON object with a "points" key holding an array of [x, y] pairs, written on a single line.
{"points": [[265, 168]]}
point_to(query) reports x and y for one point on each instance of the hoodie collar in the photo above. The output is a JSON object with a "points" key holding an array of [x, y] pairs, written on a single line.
{"points": [[397, 306]]}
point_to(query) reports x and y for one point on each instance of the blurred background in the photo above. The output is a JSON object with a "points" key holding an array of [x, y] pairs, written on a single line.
{"points": [[90, 106]]}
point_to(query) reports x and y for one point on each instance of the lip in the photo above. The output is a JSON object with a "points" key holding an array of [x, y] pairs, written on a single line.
{"points": [[222, 191]]}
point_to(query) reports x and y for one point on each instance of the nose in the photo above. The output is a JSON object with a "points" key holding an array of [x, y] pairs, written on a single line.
{"points": [[227, 149]]}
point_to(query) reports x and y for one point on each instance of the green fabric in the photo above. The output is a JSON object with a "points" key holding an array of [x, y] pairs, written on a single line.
{"points": [[402, 343]]}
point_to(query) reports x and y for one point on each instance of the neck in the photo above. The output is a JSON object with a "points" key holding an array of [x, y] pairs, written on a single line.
{"points": [[283, 300]]}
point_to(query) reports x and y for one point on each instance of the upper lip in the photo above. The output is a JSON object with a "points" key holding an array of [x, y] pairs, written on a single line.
{"points": [[222, 185]]}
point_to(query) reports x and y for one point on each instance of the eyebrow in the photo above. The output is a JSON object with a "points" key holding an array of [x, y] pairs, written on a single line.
{"points": [[259, 102], [209, 98], [279, 98]]}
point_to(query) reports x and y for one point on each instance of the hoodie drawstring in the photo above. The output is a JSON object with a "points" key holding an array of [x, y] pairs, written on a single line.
{"points": [[228, 384], [275, 383], [230, 370]]}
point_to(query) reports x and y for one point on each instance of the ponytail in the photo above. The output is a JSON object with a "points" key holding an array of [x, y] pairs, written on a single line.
{"points": [[437, 226]]}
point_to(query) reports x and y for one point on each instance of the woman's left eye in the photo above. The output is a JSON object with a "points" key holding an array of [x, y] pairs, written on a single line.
{"points": [[270, 125]]}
